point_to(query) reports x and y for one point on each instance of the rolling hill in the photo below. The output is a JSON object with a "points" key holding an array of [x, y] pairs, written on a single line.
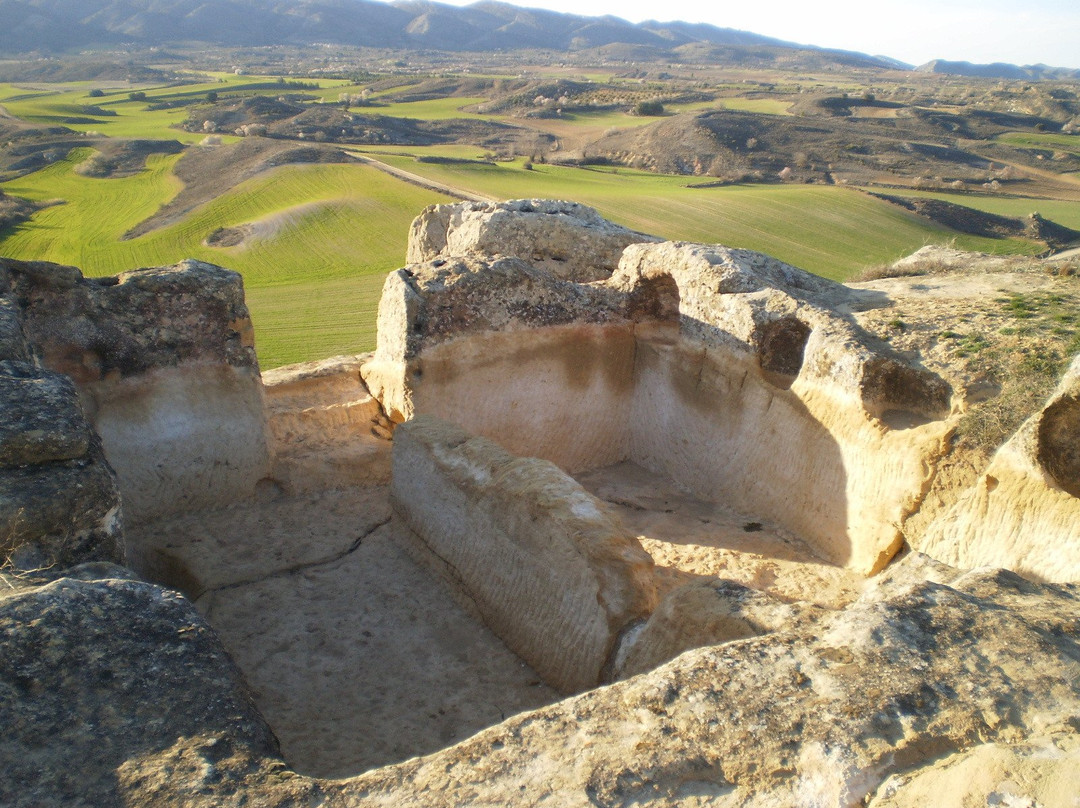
{"points": [[29, 26]]}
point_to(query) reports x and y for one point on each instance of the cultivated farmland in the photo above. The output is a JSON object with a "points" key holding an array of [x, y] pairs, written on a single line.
{"points": [[314, 239]]}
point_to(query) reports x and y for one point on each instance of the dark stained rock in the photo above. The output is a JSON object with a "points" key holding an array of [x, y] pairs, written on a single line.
{"points": [[95, 328], [43, 420], [60, 513], [12, 341], [97, 673]]}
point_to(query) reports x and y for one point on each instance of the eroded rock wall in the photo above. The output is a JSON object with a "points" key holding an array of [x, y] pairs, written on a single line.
{"points": [[767, 399], [165, 365], [569, 240], [541, 365], [1023, 512], [734, 374], [325, 429], [537, 558]]}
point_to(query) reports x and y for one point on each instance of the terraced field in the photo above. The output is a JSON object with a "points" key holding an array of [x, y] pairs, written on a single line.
{"points": [[831, 231], [313, 281], [314, 241]]}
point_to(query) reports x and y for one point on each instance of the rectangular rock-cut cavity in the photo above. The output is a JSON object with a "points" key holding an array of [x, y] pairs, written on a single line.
{"points": [[532, 554]]}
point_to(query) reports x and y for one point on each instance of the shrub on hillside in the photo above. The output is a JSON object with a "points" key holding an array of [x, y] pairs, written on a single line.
{"points": [[649, 108]]}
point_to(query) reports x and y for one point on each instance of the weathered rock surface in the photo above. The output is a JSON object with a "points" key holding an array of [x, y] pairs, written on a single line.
{"points": [[691, 539], [325, 429], [929, 663], [59, 503], [104, 328], [567, 239], [816, 716], [43, 420], [13, 343], [788, 319], [706, 612], [1040, 773], [1023, 512], [537, 558], [705, 364], [60, 513], [165, 364], [99, 671]]}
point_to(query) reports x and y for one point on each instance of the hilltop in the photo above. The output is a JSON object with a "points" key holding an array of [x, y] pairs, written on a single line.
{"points": [[550, 542], [53, 26]]}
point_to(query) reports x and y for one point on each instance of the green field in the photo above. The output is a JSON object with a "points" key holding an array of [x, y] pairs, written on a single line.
{"points": [[312, 282], [127, 118], [1069, 143], [1060, 211], [325, 235], [831, 231]]}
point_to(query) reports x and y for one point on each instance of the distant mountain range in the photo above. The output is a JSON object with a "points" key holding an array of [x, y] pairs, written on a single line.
{"points": [[49, 26], [999, 70], [55, 26]]}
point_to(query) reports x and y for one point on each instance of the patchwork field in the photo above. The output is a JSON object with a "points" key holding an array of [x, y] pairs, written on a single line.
{"points": [[313, 280], [314, 240], [831, 231]]}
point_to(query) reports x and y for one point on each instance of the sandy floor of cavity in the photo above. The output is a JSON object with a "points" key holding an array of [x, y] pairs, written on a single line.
{"points": [[358, 658], [688, 539]]}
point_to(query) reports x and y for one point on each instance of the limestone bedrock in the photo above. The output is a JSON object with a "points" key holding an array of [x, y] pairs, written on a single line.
{"points": [[324, 428], [165, 365], [1030, 489], [59, 503], [536, 557], [929, 662], [567, 239], [737, 376]]}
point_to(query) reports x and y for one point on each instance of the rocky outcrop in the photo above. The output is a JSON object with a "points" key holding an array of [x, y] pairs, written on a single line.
{"points": [[1023, 512], [325, 429], [98, 672], [705, 364], [165, 365], [706, 612], [531, 553], [929, 663], [567, 239], [59, 503]]}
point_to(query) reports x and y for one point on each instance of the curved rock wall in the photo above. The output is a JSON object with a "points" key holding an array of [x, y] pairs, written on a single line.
{"points": [[165, 364], [734, 374], [541, 365], [1023, 512]]}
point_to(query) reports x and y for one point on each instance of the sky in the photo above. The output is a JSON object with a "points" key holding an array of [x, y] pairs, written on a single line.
{"points": [[913, 31]]}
